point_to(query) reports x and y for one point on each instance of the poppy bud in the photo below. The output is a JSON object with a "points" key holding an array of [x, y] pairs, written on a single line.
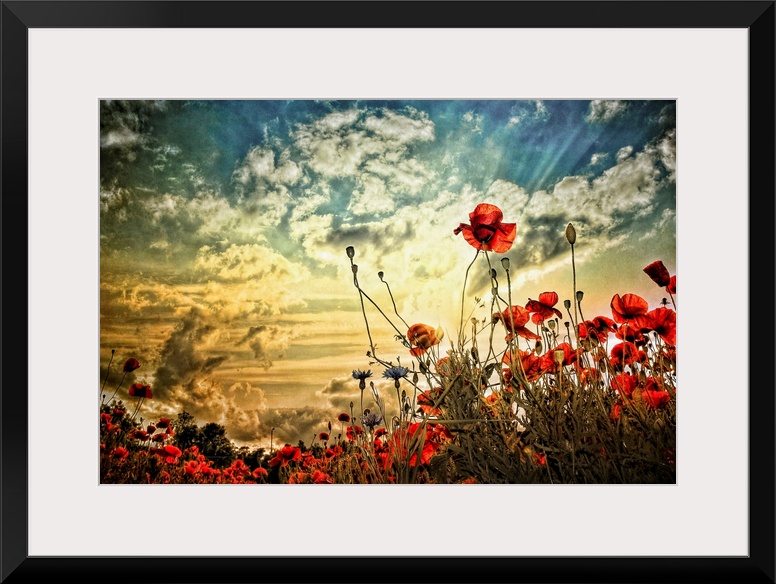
{"points": [[505, 263], [350, 250], [571, 234], [354, 267], [493, 273], [580, 294], [415, 378], [567, 303]]}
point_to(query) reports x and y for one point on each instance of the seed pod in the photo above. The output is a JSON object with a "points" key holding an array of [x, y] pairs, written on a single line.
{"points": [[571, 234], [380, 275], [351, 251], [567, 303], [580, 295], [505, 263]]}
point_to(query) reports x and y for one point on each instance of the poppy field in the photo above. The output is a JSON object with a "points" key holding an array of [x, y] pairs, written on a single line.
{"points": [[530, 390]]}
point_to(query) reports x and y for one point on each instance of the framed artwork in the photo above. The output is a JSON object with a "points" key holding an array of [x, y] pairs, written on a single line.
{"points": [[382, 279]]}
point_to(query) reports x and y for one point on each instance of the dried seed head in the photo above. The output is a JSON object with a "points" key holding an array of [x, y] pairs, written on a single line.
{"points": [[493, 273], [580, 294], [354, 267], [351, 251], [380, 275], [551, 325], [571, 234], [505, 263], [559, 355], [567, 303]]}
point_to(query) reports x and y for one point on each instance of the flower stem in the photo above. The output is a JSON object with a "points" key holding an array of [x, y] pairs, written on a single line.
{"points": [[463, 294]]}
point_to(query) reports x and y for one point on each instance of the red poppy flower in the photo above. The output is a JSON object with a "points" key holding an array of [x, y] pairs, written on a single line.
{"points": [[191, 467], [323, 436], [662, 320], [354, 431], [343, 417], [285, 455], [628, 307], [260, 472], [150, 428], [616, 412], [514, 319], [659, 273], [543, 308], [596, 329], [163, 422], [130, 365], [321, 478], [422, 337], [655, 398], [626, 353], [671, 288], [486, 231], [630, 332], [140, 390], [380, 432], [529, 361], [172, 453], [624, 383], [427, 400], [119, 452]]}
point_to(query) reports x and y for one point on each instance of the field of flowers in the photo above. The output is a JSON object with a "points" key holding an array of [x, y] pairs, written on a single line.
{"points": [[552, 397]]}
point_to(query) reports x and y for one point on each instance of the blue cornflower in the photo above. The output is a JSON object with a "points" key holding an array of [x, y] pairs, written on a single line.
{"points": [[361, 376], [371, 419], [395, 373]]}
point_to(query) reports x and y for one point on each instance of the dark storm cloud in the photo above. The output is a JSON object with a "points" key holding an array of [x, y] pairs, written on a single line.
{"points": [[181, 363]]}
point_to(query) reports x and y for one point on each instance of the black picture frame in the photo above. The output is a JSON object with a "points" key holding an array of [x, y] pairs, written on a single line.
{"points": [[19, 16]]}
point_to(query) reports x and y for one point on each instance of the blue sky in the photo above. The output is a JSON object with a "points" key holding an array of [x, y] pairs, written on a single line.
{"points": [[224, 224]]}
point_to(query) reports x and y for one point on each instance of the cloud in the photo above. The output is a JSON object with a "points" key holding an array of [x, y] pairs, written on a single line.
{"points": [[605, 110], [181, 363]]}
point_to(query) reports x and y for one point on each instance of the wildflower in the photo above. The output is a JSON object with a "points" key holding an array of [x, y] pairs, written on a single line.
{"points": [[659, 273], [150, 428], [423, 337], [380, 432], [119, 452], [260, 472], [626, 353], [343, 417], [163, 422], [361, 376], [285, 455], [353, 432], [172, 453], [191, 467], [514, 319], [395, 373], [427, 401], [140, 390], [661, 320], [671, 288], [130, 365], [371, 419], [624, 383], [627, 307], [321, 478], [596, 329], [486, 231], [323, 436], [543, 308]]}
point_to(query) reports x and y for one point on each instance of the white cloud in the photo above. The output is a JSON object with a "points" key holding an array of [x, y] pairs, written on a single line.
{"points": [[605, 110]]}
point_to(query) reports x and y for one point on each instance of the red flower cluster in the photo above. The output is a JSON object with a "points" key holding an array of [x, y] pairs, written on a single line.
{"points": [[286, 455]]}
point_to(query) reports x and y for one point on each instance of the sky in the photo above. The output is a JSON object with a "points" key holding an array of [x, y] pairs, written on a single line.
{"points": [[224, 224]]}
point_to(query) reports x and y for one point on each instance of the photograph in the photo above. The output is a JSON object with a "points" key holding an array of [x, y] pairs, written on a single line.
{"points": [[381, 291], [388, 294]]}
